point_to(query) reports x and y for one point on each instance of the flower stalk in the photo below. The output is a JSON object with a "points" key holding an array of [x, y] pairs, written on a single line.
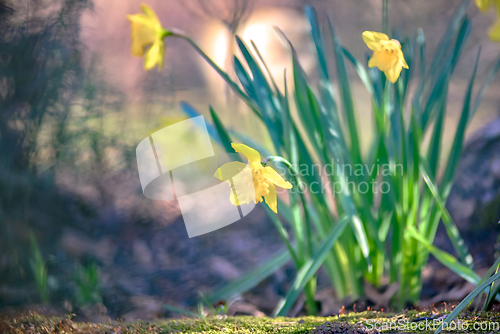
{"points": [[310, 288], [234, 86], [294, 174]]}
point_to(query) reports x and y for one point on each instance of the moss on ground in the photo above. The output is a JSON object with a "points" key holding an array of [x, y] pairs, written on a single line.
{"points": [[363, 322]]}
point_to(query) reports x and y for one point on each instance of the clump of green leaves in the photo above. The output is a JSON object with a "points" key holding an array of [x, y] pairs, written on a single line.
{"points": [[363, 236], [39, 270], [87, 284]]}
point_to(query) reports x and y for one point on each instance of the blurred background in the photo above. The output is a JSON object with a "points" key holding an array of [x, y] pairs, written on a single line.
{"points": [[74, 103]]}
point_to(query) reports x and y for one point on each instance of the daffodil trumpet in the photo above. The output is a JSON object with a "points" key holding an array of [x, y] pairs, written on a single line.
{"points": [[387, 54], [256, 186]]}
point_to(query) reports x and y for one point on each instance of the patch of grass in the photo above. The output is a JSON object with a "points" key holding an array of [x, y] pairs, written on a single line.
{"points": [[35, 323]]}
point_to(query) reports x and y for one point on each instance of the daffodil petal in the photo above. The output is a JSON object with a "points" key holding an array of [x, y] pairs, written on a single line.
{"points": [[141, 19], [271, 175], [373, 61], [373, 39], [402, 59], [252, 155], [229, 170], [272, 198], [495, 32], [150, 13], [153, 56], [483, 4], [393, 73], [141, 37], [497, 5], [382, 59]]}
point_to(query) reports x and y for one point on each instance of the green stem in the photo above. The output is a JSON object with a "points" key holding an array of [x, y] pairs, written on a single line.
{"points": [[385, 16], [234, 86], [302, 199], [310, 288], [310, 291]]}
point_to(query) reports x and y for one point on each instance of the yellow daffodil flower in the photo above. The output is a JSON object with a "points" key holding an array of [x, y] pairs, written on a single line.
{"points": [[387, 54], [484, 5], [246, 187], [147, 31]]}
